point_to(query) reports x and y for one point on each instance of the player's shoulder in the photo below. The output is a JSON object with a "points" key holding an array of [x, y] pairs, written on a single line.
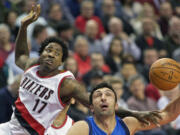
{"points": [[81, 123], [79, 128], [132, 124], [31, 62]]}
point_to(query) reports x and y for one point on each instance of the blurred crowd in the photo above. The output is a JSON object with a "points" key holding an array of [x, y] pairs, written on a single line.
{"points": [[109, 40]]}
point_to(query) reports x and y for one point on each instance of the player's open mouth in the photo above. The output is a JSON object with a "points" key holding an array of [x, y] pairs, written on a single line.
{"points": [[104, 106], [49, 62]]}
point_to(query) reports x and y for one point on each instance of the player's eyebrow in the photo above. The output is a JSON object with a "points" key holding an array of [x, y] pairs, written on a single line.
{"points": [[107, 90]]}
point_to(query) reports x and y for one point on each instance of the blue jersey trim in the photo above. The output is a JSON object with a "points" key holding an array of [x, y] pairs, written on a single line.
{"points": [[118, 120], [124, 126], [90, 126]]}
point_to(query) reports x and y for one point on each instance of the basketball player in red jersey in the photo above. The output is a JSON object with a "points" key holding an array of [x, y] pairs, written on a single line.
{"points": [[45, 90]]}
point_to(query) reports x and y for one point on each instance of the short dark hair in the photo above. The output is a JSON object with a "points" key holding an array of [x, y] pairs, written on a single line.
{"points": [[59, 42], [63, 26], [102, 85], [38, 28]]}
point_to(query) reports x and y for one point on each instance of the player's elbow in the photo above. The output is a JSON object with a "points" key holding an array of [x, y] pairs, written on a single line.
{"points": [[167, 117], [21, 61], [17, 62]]}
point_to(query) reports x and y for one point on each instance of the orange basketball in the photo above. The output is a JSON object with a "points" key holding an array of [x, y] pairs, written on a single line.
{"points": [[165, 74]]}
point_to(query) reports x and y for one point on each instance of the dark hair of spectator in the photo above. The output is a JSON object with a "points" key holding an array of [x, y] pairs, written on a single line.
{"points": [[63, 26], [7, 15], [37, 30], [111, 44], [99, 86], [125, 61], [59, 42]]}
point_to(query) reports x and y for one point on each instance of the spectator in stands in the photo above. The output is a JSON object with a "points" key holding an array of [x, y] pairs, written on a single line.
{"points": [[10, 20], [6, 47], [131, 8], [10, 61], [55, 15], [74, 7], [39, 35], [166, 13], [172, 41], [147, 11], [115, 54], [138, 101], [116, 30], [91, 31], [127, 71], [117, 84], [147, 39], [152, 92], [71, 65], [155, 3], [176, 7], [27, 9], [87, 13], [81, 55], [8, 96], [96, 78], [65, 32], [45, 6], [150, 55], [97, 63], [4, 73], [109, 9]]}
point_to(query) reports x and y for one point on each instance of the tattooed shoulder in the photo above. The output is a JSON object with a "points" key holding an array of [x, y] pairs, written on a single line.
{"points": [[68, 86]]}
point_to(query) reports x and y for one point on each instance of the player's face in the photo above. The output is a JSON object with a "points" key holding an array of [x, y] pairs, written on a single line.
{"points": [[51, 57], [103, 102]]}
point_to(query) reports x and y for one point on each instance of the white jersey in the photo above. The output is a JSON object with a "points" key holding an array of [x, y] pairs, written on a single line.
{"points": [[63, 129], [39, 102]]}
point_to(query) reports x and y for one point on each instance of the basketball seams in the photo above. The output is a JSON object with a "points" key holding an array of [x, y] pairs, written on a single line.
{"points": [[164, 74], [162, 78], [167, 68]]}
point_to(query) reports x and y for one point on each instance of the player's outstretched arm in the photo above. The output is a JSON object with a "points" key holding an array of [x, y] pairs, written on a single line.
{"points": [[79, 128], [72, 88], [144, 116], [21, 49], [170, 113]]}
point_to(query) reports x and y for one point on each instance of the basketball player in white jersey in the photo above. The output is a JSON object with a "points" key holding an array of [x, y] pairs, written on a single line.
{"points": [[45, 90]]}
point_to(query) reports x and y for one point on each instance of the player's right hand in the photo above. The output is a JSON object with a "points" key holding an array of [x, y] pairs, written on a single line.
{"points": [[32, 16]]}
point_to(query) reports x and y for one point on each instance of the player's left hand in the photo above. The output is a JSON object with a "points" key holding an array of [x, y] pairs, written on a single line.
{"points": [[32, 16], [148, 117]]}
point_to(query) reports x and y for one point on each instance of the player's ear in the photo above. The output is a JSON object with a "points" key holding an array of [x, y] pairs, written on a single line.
{"points": [[92, 108], [116, 106]]}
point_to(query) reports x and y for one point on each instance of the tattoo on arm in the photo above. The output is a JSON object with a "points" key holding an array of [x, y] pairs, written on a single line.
{"points": [[121, 112], [73, 88]]}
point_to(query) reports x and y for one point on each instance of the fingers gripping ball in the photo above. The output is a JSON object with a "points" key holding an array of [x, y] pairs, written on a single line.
{"points": [[165, 74]]}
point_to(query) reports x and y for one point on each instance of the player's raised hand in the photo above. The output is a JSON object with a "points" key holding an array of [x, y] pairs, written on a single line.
{"points": [[147, 117], [32, 16]]}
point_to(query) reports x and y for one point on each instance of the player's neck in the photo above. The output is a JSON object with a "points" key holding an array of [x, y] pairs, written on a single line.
{"points": [[106, 123], [43, 73]]}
